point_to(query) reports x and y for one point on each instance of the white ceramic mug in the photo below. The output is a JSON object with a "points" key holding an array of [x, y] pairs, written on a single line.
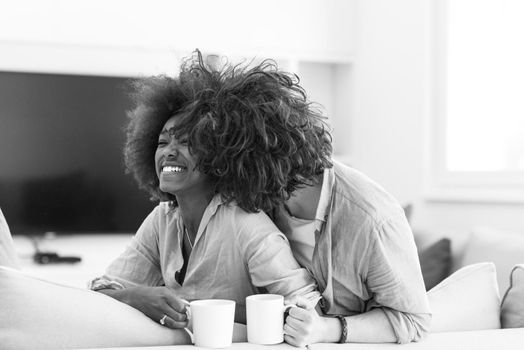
{"points": [[265, 318], [212, 322]]}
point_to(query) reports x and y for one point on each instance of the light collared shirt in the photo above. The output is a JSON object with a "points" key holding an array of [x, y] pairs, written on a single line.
{"points": [[234, 253], [301, 236], [365, 255], [301, 232]]}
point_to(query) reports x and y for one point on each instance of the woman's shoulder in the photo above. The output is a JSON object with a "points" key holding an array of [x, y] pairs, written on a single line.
{"points": [[244, 220], [250, 230], [234, 211]]}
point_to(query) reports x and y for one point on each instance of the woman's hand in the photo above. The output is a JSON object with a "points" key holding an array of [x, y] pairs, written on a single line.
{"points": [[304, 326], [154, 302]]}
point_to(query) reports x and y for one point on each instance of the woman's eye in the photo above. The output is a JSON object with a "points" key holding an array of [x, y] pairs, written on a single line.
{"points": [[161, 143]]}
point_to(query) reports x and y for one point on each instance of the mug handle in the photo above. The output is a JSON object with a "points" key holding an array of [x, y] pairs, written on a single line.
{"points": [[289, 306], [285, 310]]}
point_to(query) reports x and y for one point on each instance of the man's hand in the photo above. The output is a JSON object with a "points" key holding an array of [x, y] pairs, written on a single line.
{"points": [[304, 326]]}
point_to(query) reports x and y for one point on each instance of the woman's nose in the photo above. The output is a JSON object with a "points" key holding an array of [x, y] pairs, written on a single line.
{"points": [[172, 149]]}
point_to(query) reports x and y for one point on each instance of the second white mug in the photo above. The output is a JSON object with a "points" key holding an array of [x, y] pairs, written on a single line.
{"points": [[212, 321], [265, 318]]}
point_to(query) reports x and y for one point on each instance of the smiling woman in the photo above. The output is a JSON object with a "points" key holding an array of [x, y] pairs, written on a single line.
{"points": [[176, 167], [188, 145]]}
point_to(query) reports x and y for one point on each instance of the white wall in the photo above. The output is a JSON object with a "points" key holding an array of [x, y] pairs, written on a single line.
{"points": [[382, 127], [129, 37], [389, 129]]}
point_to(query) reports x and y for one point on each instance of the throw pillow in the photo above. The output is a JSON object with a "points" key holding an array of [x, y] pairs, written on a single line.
{"points": [[512, 310], [37, 314], [467, 300], [504, 248], [7, 251], [435, 262]]}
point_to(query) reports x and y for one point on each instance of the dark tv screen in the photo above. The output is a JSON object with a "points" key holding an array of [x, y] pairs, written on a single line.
{"points": [[61, 162]]}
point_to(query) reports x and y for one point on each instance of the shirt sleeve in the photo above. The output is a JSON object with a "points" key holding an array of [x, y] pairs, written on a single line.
{"points": [[139, 264], [394, 279], [270, 261]]}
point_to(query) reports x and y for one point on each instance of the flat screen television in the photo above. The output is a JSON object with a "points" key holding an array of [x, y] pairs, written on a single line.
{"points": [[61, 163]]}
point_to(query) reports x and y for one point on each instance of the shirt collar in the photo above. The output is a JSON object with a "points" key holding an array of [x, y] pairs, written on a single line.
{"points": [[325, 194], [211, 209]]}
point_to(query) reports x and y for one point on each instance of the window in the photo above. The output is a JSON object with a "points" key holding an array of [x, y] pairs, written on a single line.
{"points": [[478, 110]]}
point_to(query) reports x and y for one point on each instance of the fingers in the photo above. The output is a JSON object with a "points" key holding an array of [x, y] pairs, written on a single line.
{"points": [[180, 306], [297, 342], [300, 314], [176, 311], [172, 320], [177, 304], [299, 326], [296, 324], [293, 333], [155, 302], [303, 302], [290, 335], [290, 330], [290, 340]]}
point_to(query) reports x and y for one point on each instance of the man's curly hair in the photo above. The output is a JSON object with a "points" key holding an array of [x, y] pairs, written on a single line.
{"points": [[251, 129]]}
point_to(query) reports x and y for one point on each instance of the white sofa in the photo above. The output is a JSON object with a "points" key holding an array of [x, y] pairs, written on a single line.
{"points": [[486, 281], [502, 247], [40, 314]]}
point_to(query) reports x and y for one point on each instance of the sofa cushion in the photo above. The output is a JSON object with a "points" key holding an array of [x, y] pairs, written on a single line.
{"points": [[458, 241], [435, 262], [37, 314], [512, 310], [504, 248], [7, 251], [467, 300]]}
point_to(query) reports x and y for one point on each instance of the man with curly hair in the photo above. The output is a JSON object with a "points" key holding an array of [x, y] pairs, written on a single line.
{"points": [[187, 145], [343, 227]]}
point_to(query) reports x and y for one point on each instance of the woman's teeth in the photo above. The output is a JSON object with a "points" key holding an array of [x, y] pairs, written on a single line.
{"points": [[173, 169]]}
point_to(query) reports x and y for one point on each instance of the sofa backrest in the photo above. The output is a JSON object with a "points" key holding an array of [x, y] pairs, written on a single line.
{"points": [[502, 247], [459, 240]]}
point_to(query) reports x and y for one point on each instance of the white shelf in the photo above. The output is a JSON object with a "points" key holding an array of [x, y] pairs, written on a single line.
{"points": [[115, 61], [134, 37], [129, 61]]}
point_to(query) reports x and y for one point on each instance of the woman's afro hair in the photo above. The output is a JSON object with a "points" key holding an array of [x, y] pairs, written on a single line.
{"points": [[250, 128]]}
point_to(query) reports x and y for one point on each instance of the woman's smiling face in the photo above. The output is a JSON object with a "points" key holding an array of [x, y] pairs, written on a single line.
{"points": [[175, 166]]}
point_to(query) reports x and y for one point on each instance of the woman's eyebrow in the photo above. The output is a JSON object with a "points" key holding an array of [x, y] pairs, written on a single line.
{"points": [[171, 131]]}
